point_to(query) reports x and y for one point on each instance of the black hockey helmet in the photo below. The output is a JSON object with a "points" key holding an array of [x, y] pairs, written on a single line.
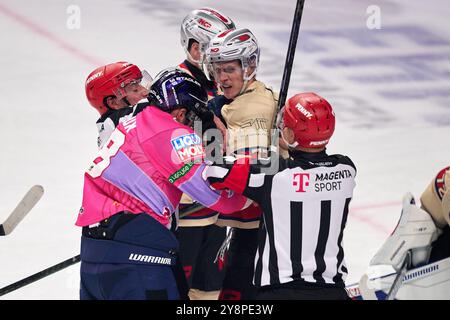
{"points": [[173, 88]]}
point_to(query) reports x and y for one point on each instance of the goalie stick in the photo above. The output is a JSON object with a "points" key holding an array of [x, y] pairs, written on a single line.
{"points": [[399, 278], [369, 293], [25, 205]]}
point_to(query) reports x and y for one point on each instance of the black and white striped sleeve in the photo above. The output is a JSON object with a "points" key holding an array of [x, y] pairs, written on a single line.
{"points": [[239, 176]]}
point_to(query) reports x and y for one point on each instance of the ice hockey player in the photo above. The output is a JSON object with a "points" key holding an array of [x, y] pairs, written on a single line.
{"points": [[436, 201], [417, 252], [248, 108], [200, 238], [132, 189], [197, 29], [305, 206], [112, 90]]}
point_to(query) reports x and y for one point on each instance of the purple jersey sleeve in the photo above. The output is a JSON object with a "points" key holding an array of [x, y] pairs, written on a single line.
{"points": [[178, 154]]}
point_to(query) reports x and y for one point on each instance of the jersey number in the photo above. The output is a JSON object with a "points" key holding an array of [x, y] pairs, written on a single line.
{"points": [[105, 154]]}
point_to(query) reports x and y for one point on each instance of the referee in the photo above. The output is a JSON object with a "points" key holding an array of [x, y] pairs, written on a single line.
{"points": [[305, 206]]}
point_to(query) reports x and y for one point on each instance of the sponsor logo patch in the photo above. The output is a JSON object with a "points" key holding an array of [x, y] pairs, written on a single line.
{"points": [[204, 23], [300, 181], [94, 76], [305, 112], [188, 147], [149, 259], [182, 172]]}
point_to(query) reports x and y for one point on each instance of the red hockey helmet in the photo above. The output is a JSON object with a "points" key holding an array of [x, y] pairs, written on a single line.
{"points": [[110, 80], [311, 118]]}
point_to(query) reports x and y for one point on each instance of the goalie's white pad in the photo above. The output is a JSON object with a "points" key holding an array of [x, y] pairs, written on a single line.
{"points": [[429, 282], [415, 231], [410, 240]]}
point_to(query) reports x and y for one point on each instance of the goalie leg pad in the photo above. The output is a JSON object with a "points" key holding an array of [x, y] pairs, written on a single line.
{"points": [[415, 232]]}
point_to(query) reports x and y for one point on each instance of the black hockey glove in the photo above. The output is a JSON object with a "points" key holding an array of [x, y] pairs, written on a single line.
{"points": [[203, 113]]}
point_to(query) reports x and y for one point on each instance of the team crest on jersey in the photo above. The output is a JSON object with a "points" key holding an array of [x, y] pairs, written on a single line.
{"points": [[439, 182], [188, 147], [166, 212]]}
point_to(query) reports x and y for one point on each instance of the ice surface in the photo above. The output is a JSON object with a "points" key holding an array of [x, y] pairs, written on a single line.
{"points": [[390, 89]]}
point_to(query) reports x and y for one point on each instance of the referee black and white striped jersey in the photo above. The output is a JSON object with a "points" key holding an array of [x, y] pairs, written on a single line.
{"points": [[305, 206]]}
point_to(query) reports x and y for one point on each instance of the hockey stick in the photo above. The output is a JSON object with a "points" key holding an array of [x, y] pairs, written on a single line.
{"points": [[366, 292], [25, 205], [196, 206], [291, 53], [284, 84], [190, 209], [37, 276], [399, 278], [369, 293], [67, 263], [288, 67]]}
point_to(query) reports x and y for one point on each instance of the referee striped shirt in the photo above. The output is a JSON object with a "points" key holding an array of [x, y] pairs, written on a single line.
{"points": [[305, 206]]}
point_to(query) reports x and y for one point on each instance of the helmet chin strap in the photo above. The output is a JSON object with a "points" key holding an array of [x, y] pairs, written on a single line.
{"points": [[126, 101], [191, 59], [244, 87], [246, 79], [291, 146]]}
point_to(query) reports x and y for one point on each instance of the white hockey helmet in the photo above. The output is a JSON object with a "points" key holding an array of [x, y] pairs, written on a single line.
{"points": [[239, 44], [201, 25]]}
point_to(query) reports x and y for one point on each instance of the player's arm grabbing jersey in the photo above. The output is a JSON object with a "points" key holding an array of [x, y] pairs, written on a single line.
{"points": [[436, 198], [249, 119], [149, 160], [305, 207]]}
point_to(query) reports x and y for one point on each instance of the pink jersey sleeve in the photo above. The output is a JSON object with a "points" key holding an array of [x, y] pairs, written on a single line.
{"points": [[178, 154]]}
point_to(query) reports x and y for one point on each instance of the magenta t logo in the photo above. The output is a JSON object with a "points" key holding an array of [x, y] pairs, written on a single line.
{"points": [[301, 180]]}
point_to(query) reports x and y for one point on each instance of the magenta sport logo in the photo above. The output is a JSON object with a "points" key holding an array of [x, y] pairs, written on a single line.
{"points": [[300, 181], [188, 147]]}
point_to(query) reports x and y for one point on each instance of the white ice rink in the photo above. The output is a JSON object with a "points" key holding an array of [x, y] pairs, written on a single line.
{"points": [[390, 88]]}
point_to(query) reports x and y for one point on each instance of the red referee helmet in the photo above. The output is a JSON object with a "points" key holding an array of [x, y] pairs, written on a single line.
{"points": [[311, 118]]}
